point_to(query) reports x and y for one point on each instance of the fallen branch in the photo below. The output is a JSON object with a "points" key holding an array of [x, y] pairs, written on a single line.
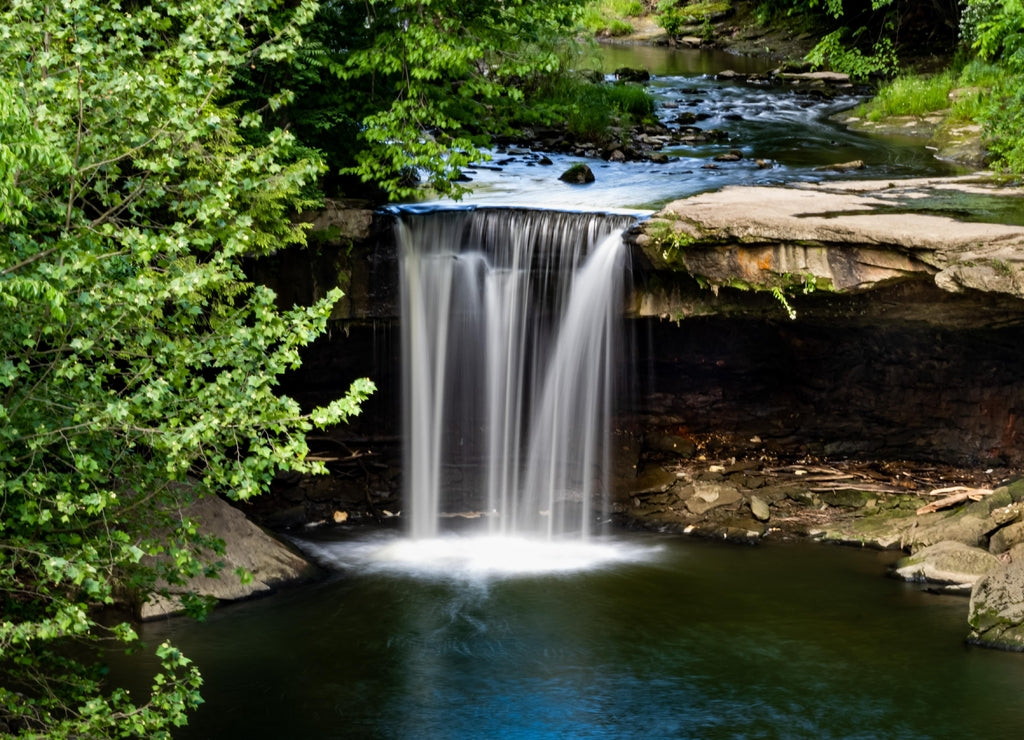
{"points": [[972, 494], [866, 487]]}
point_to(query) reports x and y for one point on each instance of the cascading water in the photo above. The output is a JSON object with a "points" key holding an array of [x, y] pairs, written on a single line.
{"points": [[510, 335]]}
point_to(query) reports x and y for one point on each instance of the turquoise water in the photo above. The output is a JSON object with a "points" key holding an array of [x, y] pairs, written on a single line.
{"points": [[674, 639]]}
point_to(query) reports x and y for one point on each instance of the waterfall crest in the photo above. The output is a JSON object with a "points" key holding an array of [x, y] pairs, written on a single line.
{"points": [[511, 323]]}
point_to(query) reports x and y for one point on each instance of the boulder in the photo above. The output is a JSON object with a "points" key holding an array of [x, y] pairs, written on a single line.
{"points": [[759, 508], [996, 614], [955, 526], [1006, 538], [632, 74], [577, 174], [733, 155], [270, 562], [711, 495], [951, 564]]}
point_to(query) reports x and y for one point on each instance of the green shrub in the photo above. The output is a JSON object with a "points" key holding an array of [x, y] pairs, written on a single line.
{"points": [[589, 109], [632, 100], [1003, 120], [835, 53], [610, 16], [980, 74], [620, 28]]}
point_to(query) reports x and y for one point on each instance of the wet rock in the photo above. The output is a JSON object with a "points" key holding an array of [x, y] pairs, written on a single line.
{"points": [[996, 612], [673, 444], [759, 508], [653, 478], [632, 74], [733, 155], [856, 164], [577, 174], [288, 518], [711, 495], [953, 565], [741, 529]]}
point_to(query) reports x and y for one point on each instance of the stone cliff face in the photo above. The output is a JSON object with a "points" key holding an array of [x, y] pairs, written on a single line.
{"points": [[906, 336], [848, 319]]}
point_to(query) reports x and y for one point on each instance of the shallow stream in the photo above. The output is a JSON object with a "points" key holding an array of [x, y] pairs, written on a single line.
{"points": [[790, 130]]}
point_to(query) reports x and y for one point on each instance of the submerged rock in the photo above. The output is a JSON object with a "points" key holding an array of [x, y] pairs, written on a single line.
{"points": [[856, 164]]}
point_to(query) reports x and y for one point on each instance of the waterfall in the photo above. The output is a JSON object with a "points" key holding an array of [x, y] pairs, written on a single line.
{"points": [[510, 338]]}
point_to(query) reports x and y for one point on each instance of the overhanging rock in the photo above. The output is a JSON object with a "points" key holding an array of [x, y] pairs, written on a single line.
{"points": [[843, 237]]}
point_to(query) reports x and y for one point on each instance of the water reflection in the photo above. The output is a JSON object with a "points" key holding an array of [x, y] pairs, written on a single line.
{"points": [[699, 640]]}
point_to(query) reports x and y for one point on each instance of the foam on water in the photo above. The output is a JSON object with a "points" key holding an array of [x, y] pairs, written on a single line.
{"points": [[476, 557]]}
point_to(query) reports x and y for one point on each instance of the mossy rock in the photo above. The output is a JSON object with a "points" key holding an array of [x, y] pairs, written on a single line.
{"points": [[578, 174], [997, 499], [996, 615], [848, 498], [883, 528], [948, 563], [1016, 489]]}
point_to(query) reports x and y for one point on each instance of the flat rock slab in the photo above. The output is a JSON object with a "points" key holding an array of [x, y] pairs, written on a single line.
{"points": [[951, 564], [848, 235]]}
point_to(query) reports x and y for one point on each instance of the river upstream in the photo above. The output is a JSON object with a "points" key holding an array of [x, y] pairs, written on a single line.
{"points": [[622, 635]]}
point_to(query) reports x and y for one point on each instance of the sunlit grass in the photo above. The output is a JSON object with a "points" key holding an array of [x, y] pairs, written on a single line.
{"points": [[611, 16], [911, 95]]}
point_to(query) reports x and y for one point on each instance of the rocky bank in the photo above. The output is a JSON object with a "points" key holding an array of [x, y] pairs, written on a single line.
{"points": [[838, 256]]}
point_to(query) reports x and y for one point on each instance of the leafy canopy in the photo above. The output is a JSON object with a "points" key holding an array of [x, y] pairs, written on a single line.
{"points": [[138, 366], [391, 89]]}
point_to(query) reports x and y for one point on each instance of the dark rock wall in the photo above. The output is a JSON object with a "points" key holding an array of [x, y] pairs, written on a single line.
{"points": [[904, 371], [890, 391]]}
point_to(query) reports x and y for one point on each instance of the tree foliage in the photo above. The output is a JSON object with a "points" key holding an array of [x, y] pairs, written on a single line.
{"points": [[389, 89], [137, 364], [866, 38]]}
